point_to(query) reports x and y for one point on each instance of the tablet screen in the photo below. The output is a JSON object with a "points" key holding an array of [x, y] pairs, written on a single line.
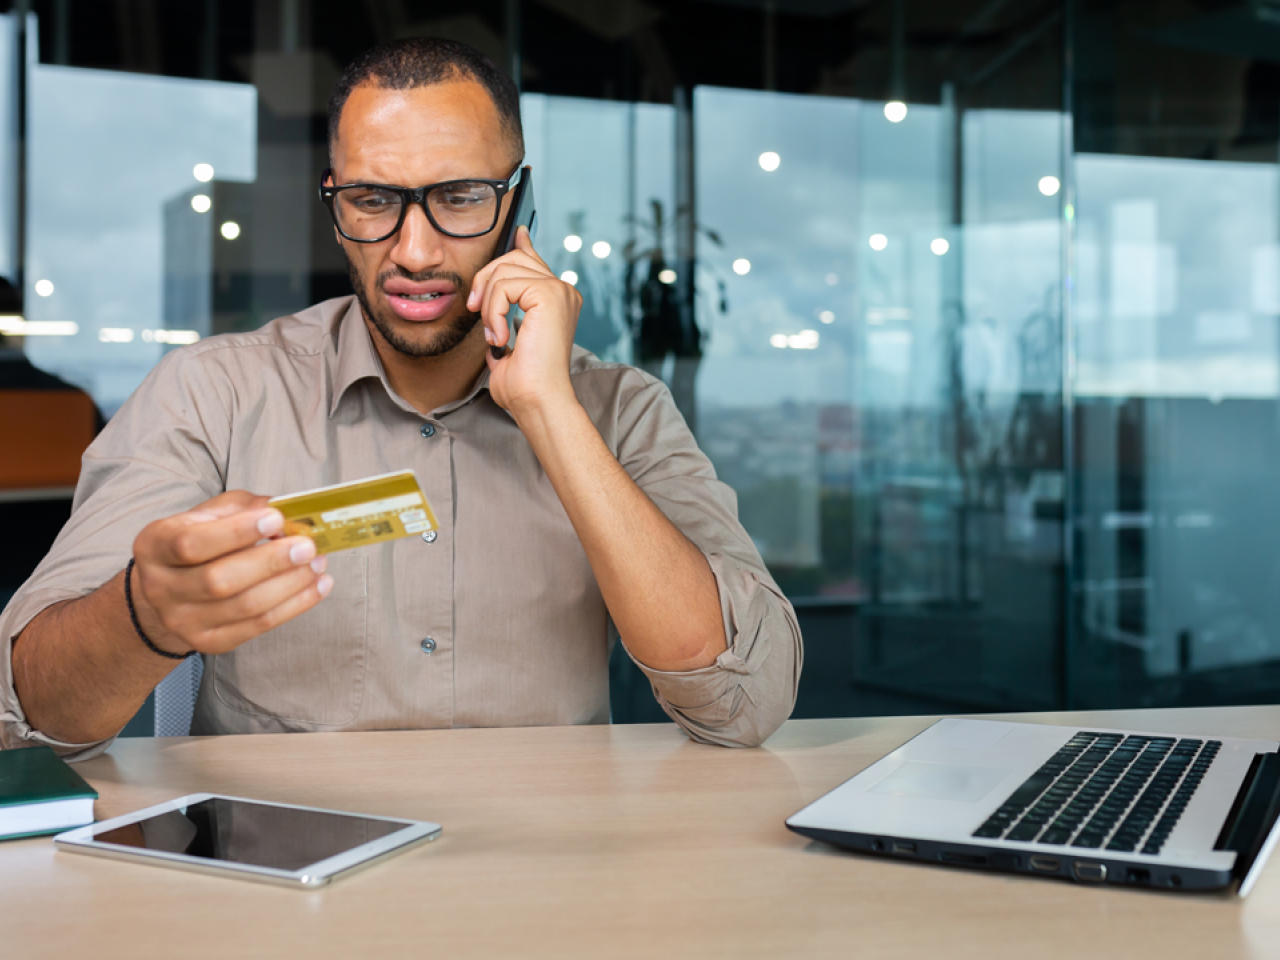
{"points": [[256, 834]]}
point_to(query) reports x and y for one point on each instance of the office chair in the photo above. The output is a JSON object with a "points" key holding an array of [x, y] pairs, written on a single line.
{"points": [[176, 699]]}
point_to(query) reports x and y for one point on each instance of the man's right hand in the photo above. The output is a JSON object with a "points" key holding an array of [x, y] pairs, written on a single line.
{"points": [[213, 578]]}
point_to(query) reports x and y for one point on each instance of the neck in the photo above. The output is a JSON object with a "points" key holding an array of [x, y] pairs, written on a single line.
{"points": [[429, 383]]}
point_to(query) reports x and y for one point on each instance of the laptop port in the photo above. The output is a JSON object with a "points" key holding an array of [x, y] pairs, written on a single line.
{"points": [[1138, 876], [877, 846], [968, 859], [1046, 864], [904, 848], [1089, 872]]}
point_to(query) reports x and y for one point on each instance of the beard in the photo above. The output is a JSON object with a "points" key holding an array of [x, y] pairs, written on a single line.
{"points": [[436, 345]]}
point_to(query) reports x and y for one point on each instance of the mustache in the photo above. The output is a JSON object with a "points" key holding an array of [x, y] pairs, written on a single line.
{"points": [[422, 276]]}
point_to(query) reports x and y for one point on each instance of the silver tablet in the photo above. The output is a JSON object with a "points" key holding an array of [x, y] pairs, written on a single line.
{"points": [[270, 842]]}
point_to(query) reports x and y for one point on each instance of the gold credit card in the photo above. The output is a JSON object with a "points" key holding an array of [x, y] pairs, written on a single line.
{"points": [[358, 513]]}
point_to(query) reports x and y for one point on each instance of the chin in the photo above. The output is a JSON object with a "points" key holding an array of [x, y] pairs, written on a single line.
{"points": [[427, 340]]}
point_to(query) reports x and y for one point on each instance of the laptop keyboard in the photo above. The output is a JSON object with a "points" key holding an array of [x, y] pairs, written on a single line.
{"points": [[1105, 791]]}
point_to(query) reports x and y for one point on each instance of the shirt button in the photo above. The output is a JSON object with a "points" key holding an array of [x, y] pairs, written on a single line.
{"points": [[428, 646], [430, 536], [428, 430]]}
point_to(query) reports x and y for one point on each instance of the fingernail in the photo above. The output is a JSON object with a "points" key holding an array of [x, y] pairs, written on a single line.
{"points": [[271, 523], [324, 585], [488, 335], [319, 563], [302, 551]]}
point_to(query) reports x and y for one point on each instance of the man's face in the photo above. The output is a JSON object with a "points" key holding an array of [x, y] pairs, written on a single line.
{"points": [[413, 286]]}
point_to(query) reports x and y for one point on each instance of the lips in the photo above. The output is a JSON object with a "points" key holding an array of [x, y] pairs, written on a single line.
{"points": [[419, 302]]}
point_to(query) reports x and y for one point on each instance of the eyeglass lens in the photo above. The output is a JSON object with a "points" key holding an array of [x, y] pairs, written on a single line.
{"points": [[465, 208]]}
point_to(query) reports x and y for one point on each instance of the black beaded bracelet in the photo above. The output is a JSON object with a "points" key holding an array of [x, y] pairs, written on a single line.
{"points": [[133, 615]]}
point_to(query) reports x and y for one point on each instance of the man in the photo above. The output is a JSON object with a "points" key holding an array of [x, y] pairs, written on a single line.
{"points": [[571, 497]]}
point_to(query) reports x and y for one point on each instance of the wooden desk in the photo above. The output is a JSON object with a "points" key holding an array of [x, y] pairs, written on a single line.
{"points": [[592, 842]]}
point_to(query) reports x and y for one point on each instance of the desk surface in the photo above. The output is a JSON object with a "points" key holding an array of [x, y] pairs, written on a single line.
{"points": [[594, 842]]}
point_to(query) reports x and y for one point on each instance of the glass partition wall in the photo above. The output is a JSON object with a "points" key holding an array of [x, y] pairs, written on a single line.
{"points": [[1178, 275], [973, 304]]}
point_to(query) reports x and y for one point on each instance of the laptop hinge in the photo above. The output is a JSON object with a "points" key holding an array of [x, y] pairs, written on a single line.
{"points": [[1254, 812]]}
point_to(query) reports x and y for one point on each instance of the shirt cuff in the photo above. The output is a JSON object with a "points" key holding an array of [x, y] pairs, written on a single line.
{"points": [[750, 690]]}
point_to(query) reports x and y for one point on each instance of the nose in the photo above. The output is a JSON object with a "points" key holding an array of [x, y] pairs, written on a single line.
{"points": [[419, 246]]}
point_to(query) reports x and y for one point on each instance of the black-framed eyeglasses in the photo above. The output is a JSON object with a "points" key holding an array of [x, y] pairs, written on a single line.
{"points": [[372, 212]]}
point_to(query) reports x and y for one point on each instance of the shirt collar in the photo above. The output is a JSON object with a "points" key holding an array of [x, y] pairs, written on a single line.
{"points": [[357, 359]]}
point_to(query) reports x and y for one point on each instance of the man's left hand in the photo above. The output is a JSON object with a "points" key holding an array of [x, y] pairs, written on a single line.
{"points": [[535, 374]]}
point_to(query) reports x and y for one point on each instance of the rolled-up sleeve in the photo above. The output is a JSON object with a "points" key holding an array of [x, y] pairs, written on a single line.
{"points": [[751, 688], [132, 474]]}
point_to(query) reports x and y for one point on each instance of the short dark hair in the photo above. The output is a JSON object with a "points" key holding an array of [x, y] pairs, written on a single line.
{"points": [[421, 62]]}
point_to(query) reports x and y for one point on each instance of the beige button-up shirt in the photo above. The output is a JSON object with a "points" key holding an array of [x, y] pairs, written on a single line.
{"points": [[518, 630]]}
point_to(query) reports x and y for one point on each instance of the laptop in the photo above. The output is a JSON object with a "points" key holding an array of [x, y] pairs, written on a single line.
{"points": [[1084, 803]]}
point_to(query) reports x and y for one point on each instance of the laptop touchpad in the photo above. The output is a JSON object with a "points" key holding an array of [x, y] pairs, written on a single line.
{"points": [[941, 781]]}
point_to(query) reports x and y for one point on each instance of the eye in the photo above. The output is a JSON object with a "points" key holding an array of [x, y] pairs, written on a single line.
{"points": [[465, 195], [371, 201]]}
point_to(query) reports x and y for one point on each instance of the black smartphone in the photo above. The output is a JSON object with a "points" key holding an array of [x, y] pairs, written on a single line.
{"points": [[522, 214]]}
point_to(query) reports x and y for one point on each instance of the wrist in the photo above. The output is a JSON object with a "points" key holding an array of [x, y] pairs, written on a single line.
{"points": [[536, 413], [147, 624]]}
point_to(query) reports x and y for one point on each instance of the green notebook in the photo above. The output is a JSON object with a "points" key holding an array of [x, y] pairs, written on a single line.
{"points": [[39, 794]]}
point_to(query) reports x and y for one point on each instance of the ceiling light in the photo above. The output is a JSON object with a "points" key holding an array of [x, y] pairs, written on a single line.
{"points": [[804, 340], [15, 326], [175, 337]]}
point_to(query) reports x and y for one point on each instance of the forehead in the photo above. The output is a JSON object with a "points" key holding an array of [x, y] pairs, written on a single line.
{"points": [[439, 132]]}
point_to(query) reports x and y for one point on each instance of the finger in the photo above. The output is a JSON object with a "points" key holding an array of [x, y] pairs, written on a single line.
{"points": [[524, 244], [225, 505], [495, 355], [231, 575], [524, 260], [204, 534], [502, 291], [520, 261], [228, 636], [256, 599], [478, 284]]}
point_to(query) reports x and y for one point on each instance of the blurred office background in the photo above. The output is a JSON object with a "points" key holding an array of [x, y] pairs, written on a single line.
{"points": [[973, 302]]}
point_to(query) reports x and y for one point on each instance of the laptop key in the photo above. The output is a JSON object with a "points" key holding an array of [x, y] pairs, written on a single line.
{"points": [[1024, 831], [1055, 835], [1031, 788]]}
